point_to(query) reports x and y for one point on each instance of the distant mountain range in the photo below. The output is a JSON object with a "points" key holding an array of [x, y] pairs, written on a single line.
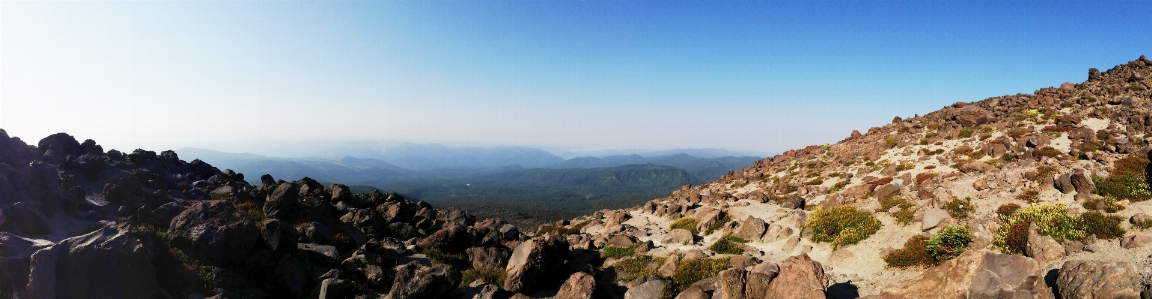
{"points": [[526, 180]]}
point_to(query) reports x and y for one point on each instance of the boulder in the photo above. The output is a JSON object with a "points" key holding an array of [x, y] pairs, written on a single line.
{"points": [[693, 292], [534, 262], [414, 281], [333, 288], [489, 257], [1043, 248], [653, 289], [452, 239], [1064, 184], [971, 116], [1082, 181], [751, 228], [980, 185], [621, 241], [282, 201], [213, 232], [886, 191], [25, 218], [934, 218], [677, 237], [799, 277], [1135, 241], [13, 151], [793, 202], [578, 286], [1098, 279], [976, 274], [732, 283], [669, 267], [708, 218], [106, 263], [777, 231], [759, 278], [279, 236], [15, 256]]}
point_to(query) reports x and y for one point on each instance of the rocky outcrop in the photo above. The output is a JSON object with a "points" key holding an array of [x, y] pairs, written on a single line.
{"points": [[578, 286], [799, 277], [534, 263], [106, 263], [976, 274], [414, 281], [213, 231], [1097, 279]]}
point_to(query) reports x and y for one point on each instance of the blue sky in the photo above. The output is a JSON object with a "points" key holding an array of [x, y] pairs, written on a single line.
{"points": [[763, 76]]}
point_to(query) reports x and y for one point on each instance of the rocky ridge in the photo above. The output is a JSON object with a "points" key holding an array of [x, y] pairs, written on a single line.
{"points": [[1041, 195]]}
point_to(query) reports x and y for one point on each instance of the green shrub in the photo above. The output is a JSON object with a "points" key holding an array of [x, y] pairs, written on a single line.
{"points": [[893, 201], [816, 181], [1106, 203], [914, 254], [891, 142], [1127, 179], [839, 186], [724, 246], [1101, 225], [493, 276], [842, 225], [951, 241], [686, 223], [689, 272], [965, 133], [613, 251], [1051, 220], [737, 239], [1046, 151], [905, 216], [440, 257], [637, 266], [960, 208]]}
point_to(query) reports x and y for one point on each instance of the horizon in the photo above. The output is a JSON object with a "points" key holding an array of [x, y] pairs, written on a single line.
{"points": [[758, 78]]}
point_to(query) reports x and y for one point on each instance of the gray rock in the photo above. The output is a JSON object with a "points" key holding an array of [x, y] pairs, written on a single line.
{"points": [[414, 281], [489, 257], [776, 232], [1098, 279], [1043, 248], [751, 228], [213, 232], [282, 201], [26, 218], [534, 262], [1135, 241], [934, 218], [653, 289], [106, 263], [332, 288], [578, 286], [325, 254]]}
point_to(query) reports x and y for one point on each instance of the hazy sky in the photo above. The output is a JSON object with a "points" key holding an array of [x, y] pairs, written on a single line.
{"points": [[754, 76]]}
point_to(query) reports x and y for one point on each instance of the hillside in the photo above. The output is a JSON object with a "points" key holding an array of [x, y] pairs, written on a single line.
{"points": [[1054, 183], [1041, 195]]}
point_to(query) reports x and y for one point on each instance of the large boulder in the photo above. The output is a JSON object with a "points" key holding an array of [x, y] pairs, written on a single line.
{"points": [[534, 264], [106, 263], [452, 239], [578, 286], [1082, 181], [489, 257], [751, 228], [13, 151], [759, 278], [1043, 248], [414, 281], [677, 237], [934, 218], [800, 277], [1098, 279], [60, 143], [213, 232], [25, 218], [282, 201], [976, 274], [971, 116], [15, 256], [732, 283], [653, 289]]}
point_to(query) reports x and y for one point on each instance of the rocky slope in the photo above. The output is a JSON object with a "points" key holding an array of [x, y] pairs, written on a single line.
{"points": [[1024, 196]]}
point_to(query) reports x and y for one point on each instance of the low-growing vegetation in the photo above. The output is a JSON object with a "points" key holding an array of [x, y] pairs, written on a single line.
{"points": [[718, 225], [906, 212], [914, 254], [724, 246], [689, 272], [842, 225], [613, 251], [686, 223], [965, 133], [960, 208], [1053, 220], [1126, 181], [1107, 204], [492, 276], [1007, 209], [951, 241], [1029, 196], [637, 266]]}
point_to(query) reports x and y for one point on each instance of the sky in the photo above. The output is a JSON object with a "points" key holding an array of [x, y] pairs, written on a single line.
{"points": [[753, 76]]}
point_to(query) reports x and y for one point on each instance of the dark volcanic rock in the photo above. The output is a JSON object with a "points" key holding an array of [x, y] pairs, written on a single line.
{"points": [[417, 281], [282, 201], [25, 218], [214, 232], [534, 263], [106, 263]]}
